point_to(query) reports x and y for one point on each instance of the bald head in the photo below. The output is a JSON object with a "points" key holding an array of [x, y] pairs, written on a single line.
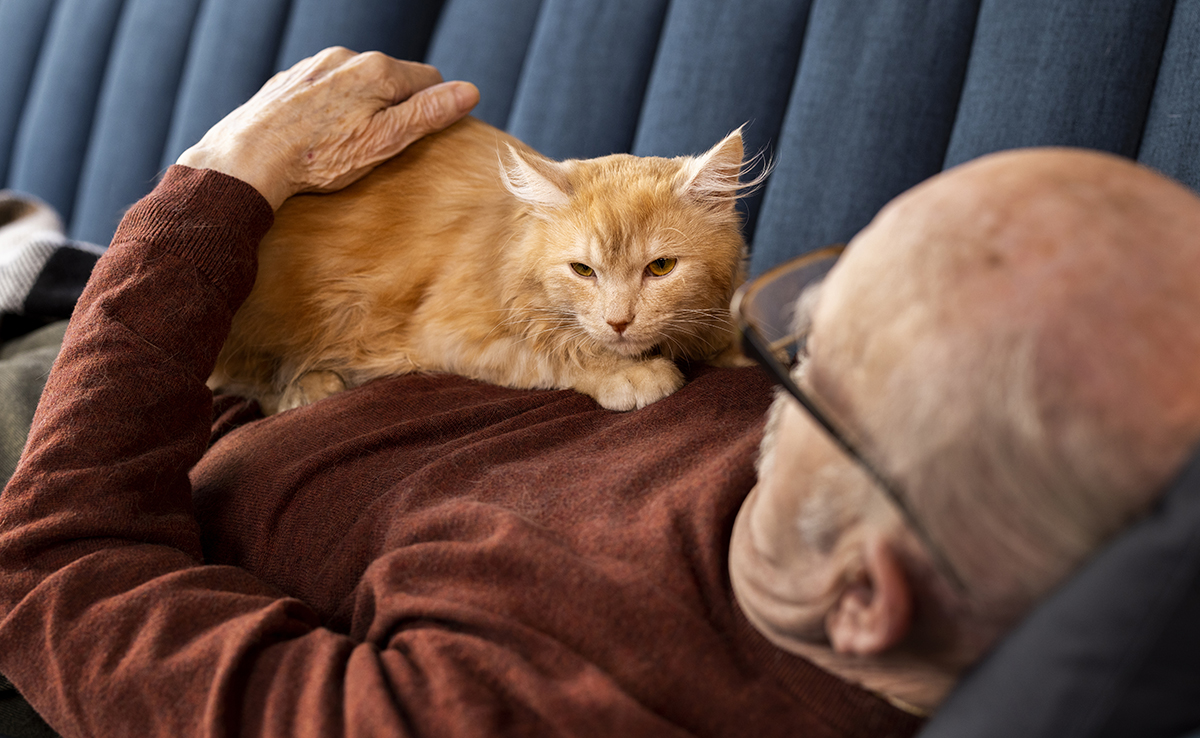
{"points": [[1015, 342], [1018, 338]]}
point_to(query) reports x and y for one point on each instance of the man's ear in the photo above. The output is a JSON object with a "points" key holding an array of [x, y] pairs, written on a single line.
{"points": [[873, 612]]}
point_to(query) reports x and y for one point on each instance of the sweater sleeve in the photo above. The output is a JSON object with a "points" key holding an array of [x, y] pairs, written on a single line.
{"points": [[111, 624]]}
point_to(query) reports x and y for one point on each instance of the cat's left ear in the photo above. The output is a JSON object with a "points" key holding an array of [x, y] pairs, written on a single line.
{"points": [[536, 180], [714, 177]]}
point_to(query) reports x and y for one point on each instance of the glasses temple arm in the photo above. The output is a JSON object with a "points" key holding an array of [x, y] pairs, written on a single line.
{"points": [[784, 377]]}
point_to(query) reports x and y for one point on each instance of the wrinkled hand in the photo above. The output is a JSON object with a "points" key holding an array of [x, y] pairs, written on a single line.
{"points": [[329, 120]]}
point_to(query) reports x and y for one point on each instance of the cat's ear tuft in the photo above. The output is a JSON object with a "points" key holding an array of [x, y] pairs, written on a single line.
{"points": [[714, 177], [535, 180]]}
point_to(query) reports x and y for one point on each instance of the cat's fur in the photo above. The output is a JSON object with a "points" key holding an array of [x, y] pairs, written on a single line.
{"points": [[458, 254]]}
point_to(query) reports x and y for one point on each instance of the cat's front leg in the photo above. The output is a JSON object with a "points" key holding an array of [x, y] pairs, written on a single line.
{"points": [[631, 384], [305, 390]]}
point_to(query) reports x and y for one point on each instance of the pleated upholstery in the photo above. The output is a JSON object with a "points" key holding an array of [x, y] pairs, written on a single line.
{"points": [[852, 102], [872, 107], [132, 122], [56, 117], [486, 42], [1171, 140], [22, 28], [400, 28], [1062, 73], [585, 76], [719, 66], [232, 51]]}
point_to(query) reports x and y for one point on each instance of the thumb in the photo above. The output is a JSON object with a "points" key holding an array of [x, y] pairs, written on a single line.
{"points": [[431, 110]]}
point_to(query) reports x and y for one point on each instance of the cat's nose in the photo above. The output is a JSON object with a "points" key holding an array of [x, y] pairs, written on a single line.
{"points": [[619, 327]]}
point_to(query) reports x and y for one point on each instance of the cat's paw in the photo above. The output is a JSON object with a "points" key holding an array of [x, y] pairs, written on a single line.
{"points": [[310, 387], [637, 385]]}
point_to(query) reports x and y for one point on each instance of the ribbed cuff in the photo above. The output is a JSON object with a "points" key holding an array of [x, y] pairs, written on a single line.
{"points": [[211, 219]]}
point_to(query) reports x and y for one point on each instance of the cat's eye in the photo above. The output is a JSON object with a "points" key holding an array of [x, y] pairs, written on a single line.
{"points": [[583, 270], [661, 267]]}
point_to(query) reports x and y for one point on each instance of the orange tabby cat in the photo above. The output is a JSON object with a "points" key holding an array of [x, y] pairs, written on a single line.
{"points": [[471, 253]]}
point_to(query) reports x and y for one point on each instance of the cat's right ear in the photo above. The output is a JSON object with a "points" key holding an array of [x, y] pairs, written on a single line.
{"points": [[714, 178], [535, 180]]}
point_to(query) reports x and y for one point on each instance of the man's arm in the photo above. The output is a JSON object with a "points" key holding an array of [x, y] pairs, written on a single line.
{"points": [[110, 620]]}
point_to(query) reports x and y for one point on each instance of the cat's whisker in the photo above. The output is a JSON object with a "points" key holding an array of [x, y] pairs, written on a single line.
{"points": [[709, 340], [697, 325], [694, 327], [713, 313], [677, 346], [704, 339], [701, 323]]}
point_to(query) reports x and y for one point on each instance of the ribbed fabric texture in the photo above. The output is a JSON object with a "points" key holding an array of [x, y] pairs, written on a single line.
{"points": [[175, 219], [20, 266]]}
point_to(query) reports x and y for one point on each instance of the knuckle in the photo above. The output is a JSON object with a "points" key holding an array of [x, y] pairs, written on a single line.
{"points": [[372, 65], [324, 61], [334, 54], [375, 59]]}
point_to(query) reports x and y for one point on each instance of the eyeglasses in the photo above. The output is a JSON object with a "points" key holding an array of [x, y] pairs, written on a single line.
{"points": [[774, 331]]}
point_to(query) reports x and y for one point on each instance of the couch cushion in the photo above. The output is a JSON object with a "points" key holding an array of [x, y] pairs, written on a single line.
{"points": [[1062, 73], [232, 51], [56, 120], [870, 115], [400, 28], [721, 65], [855, 101], [485, 41], [22, 28], [580, 94], [133, 114], [1171, 141]]}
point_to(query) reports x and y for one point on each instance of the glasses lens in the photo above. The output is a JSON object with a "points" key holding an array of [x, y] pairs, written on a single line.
{"points": [[773, 304]]}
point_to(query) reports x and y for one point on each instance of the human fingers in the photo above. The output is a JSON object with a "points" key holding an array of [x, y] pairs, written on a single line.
{"points": [[397, 79], [428, 111], [393, 129], [317, 125]]}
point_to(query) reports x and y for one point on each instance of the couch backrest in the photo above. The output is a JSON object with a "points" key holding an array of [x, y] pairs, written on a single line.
{"points": [[854, 101]]}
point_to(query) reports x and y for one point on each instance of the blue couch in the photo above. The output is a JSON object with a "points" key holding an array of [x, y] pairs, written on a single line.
{"points": [[854, 101]]}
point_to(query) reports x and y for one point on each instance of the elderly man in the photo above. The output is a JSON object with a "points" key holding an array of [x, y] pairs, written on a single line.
{"points": [[1010, 345], [431, 556]]}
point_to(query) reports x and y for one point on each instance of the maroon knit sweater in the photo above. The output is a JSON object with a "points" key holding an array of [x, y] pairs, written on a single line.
{"points": [[424, 555]]}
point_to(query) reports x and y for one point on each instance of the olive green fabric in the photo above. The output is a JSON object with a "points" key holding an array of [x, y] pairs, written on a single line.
{"points": [[24, 364]]}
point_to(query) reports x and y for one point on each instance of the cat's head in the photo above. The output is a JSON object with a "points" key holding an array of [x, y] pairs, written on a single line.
{"points": [[634, 253]]}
